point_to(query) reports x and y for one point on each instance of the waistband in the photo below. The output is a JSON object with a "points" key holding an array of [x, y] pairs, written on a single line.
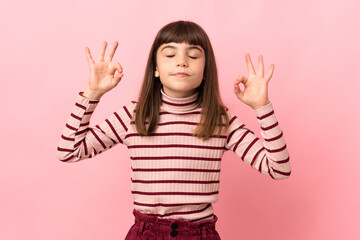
{"points": [[141, 217]]}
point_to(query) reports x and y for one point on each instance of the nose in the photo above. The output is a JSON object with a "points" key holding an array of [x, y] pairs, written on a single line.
{"points": [[181, 61]]}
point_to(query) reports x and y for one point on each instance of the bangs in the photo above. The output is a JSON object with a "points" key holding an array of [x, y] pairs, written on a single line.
{"points": [[180, 32]]}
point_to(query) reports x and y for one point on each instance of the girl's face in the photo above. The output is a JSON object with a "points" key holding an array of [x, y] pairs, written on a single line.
{"points": [[173, 58]]}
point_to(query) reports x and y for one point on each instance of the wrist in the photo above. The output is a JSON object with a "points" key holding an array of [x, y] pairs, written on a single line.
{"points": [[260, 106], [93, 95]]}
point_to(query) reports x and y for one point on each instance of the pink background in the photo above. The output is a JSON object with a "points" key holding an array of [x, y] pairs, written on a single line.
{"points": [[314, 90]]}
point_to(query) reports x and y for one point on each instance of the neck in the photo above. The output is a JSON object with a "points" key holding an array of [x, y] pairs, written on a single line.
{"points": [[179, 104], [176, 94]]}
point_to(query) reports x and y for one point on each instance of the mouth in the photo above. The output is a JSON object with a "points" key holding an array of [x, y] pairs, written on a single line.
{"points": [[181, 74]]}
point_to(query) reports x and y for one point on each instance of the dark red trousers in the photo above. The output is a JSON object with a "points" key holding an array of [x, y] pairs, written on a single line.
{"points": [[147, 227]]}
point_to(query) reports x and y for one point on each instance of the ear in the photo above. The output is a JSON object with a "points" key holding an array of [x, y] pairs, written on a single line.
{"points": [[157, 73]]}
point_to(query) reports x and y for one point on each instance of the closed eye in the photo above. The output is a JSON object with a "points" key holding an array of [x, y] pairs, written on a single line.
{"points": [[174, 55]]}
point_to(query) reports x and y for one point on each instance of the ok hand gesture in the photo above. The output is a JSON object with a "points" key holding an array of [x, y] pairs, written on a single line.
{"points": [[255, 93], [102, 72]]}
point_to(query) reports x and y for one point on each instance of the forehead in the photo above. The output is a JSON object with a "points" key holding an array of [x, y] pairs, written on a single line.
{"points": [[175, 46]]}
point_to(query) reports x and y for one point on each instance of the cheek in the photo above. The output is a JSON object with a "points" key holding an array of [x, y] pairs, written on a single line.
{"points": [[201, 68], [166, 69]]}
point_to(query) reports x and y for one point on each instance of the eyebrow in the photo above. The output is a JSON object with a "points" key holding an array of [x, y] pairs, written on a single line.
{"points": [[173, 47]]}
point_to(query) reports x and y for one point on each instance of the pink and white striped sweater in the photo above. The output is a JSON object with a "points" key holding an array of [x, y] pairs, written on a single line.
{"points": [[174, 174]]}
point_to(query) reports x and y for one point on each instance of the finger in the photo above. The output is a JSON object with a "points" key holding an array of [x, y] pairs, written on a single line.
{"points": [[261, 66], [112, 51], [237, 89], [118, 67], [249, 64], [118, 77], [241, 79], [88, 56], [270, 73], [102, 51], [113, 69], [121, 69]]}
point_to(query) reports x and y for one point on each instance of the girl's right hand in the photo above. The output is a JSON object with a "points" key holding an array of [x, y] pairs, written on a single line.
{"points": [[102, 72]]}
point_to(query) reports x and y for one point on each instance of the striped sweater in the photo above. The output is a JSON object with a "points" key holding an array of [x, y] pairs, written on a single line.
{"points": [[174, 174]]}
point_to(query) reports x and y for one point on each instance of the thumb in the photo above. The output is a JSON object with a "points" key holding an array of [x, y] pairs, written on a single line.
{"points": [[113, 68], [241, 79], [118, 77], [120, 70]]}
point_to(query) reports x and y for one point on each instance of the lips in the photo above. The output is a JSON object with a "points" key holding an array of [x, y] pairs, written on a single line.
{"points": [[181, 74]]}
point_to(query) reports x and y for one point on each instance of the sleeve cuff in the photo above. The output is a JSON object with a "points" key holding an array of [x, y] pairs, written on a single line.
{"points": [[91, 100], [263, 110], [86, 103]]}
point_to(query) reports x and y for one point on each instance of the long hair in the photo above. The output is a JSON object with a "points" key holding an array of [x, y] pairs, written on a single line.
{"points": [[149, 100]]}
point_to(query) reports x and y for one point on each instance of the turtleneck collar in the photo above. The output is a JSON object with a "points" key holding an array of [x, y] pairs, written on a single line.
{"points": [[178, 105]]}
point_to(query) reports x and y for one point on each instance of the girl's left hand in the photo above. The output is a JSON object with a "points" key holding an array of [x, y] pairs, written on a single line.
{"points": [[255, 93]]}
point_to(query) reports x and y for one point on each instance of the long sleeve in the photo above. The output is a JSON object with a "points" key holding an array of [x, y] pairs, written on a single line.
{"points": [[79, 141], [270, 156]]}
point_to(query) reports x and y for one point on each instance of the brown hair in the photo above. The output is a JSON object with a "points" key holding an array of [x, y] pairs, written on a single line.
{"points": [[149, 100]]}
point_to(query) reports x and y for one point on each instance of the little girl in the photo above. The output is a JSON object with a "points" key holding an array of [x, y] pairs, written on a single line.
{"points": [[177, 132]]}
